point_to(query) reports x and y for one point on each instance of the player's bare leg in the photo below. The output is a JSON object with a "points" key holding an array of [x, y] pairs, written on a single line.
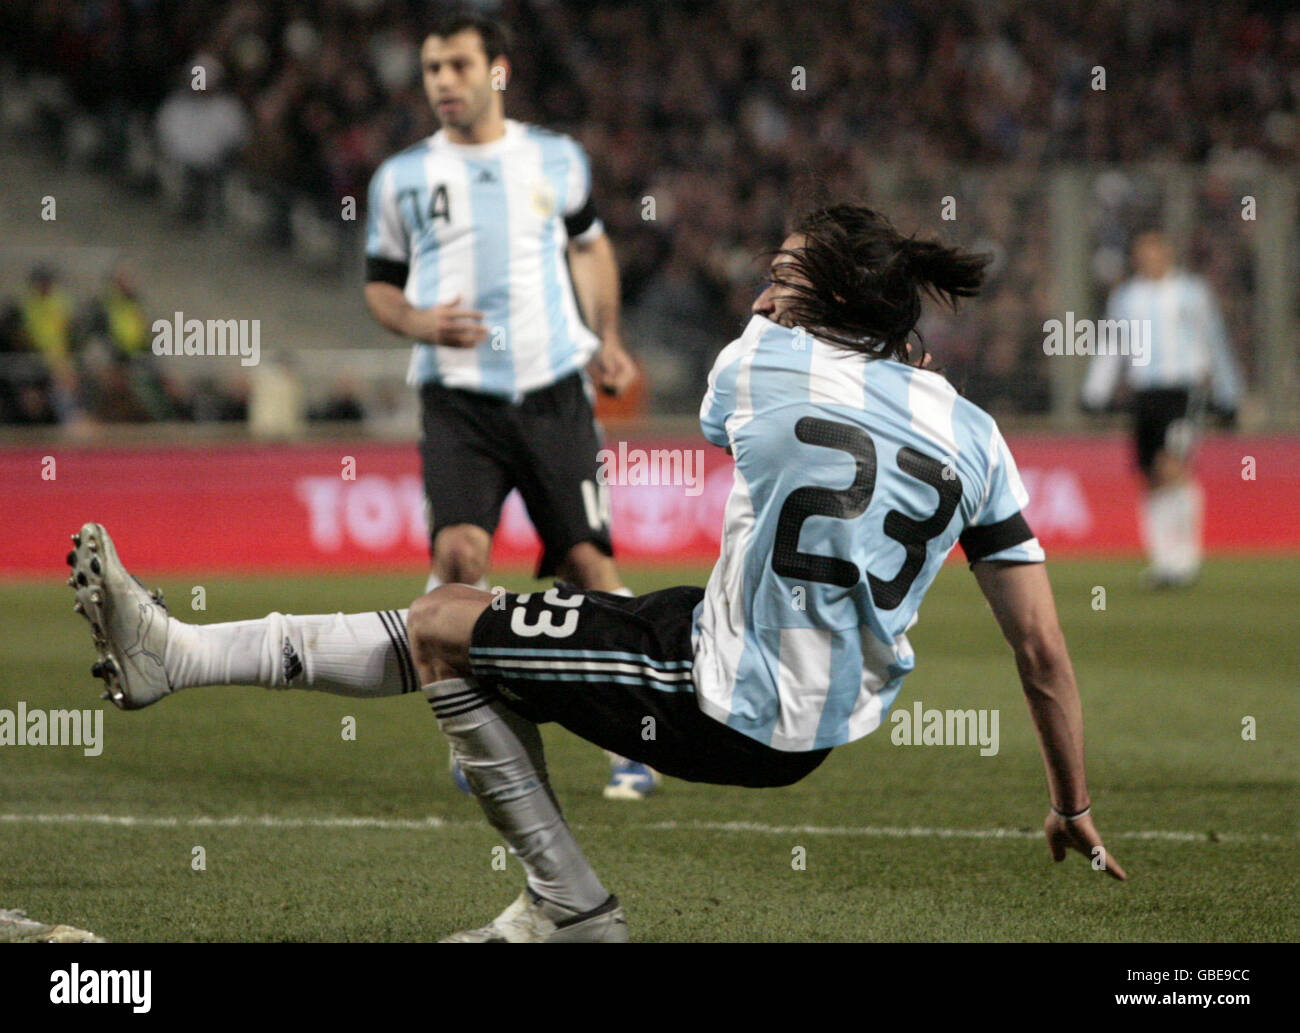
{"points": [[460, 555], [585, 566], [501, 755]]}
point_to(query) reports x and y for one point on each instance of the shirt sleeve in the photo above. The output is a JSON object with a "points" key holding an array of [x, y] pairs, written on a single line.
{"points": [[1104, 370], [580, 219], [999, 532], [388, 248], [1225, 379], [720, 396]]}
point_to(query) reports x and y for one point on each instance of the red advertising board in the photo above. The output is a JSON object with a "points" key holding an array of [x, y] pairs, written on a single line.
{"points": [[268, 508]]}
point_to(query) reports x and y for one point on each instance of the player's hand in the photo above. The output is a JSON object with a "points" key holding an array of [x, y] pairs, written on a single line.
{"points": [[449, 325], [613, 368], [1080, 835]]}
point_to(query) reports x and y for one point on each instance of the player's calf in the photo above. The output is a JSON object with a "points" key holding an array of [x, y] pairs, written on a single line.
{"points": [[586, 566]]}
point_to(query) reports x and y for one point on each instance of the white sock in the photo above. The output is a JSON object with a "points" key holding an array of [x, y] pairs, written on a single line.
{"points": [[1160, 529], [1188, 507], [501, 756], [356, 654]]}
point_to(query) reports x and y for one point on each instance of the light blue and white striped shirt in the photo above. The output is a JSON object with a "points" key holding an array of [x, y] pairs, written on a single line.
{"points": [[487, 223], [1188, 344], [854, 479]]}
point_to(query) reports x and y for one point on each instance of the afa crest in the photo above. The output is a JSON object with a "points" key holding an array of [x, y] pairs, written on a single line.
{"points": [[544, 199]]}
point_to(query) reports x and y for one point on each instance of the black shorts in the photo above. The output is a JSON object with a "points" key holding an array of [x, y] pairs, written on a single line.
{"points": [[617, 672], [476, 448], [1154, 413]]}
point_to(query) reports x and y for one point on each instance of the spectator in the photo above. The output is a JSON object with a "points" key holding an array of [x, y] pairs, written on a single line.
{"points": [[46, 314], [24, 379], [200, 129], [116, 326]]}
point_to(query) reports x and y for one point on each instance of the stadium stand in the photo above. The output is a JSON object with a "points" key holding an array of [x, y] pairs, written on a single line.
{"points": [[975, 102]]}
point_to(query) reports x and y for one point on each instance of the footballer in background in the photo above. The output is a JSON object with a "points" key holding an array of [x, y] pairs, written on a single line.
{"points": [[1188, 374], [471, 237]]}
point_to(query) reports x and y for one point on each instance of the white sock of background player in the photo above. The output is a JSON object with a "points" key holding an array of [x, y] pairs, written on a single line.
{"points": [[353, 654], [1188, 511], [1159, 520], [501, 756]]}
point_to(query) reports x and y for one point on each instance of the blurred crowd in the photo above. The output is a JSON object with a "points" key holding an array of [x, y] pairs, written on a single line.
{"points": [[727, 115], [63, 360], [70, 361]]}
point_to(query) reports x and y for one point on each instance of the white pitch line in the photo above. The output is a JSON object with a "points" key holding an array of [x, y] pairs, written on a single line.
{"points": [[921, 832], [234, 822], [433, 823]]}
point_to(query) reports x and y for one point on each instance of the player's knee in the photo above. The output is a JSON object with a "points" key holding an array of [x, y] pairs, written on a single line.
{"points": [[463, 553], [437, 622], [1166, 469], [427, 621]]}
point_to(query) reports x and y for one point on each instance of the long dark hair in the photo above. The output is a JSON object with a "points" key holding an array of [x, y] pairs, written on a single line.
{"points": [[865, 280]]}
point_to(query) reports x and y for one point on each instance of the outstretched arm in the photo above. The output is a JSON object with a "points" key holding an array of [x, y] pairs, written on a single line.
{"points": [[595, 280], [1021, 598]]}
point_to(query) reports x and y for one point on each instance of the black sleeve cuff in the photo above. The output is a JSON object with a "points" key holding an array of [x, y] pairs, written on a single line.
{"points": [[580, 221], [385, 270], [978, 542]]}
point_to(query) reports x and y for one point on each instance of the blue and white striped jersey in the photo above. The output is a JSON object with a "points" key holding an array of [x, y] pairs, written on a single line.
{"points": [[488, 223], [854, 479], [1188, 344]]}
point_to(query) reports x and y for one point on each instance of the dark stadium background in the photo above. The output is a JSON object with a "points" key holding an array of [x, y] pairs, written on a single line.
{"points": [[691, 103]]}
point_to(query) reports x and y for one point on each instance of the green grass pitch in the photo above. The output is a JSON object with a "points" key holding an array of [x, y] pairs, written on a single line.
{"points": [[899, 842]]}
